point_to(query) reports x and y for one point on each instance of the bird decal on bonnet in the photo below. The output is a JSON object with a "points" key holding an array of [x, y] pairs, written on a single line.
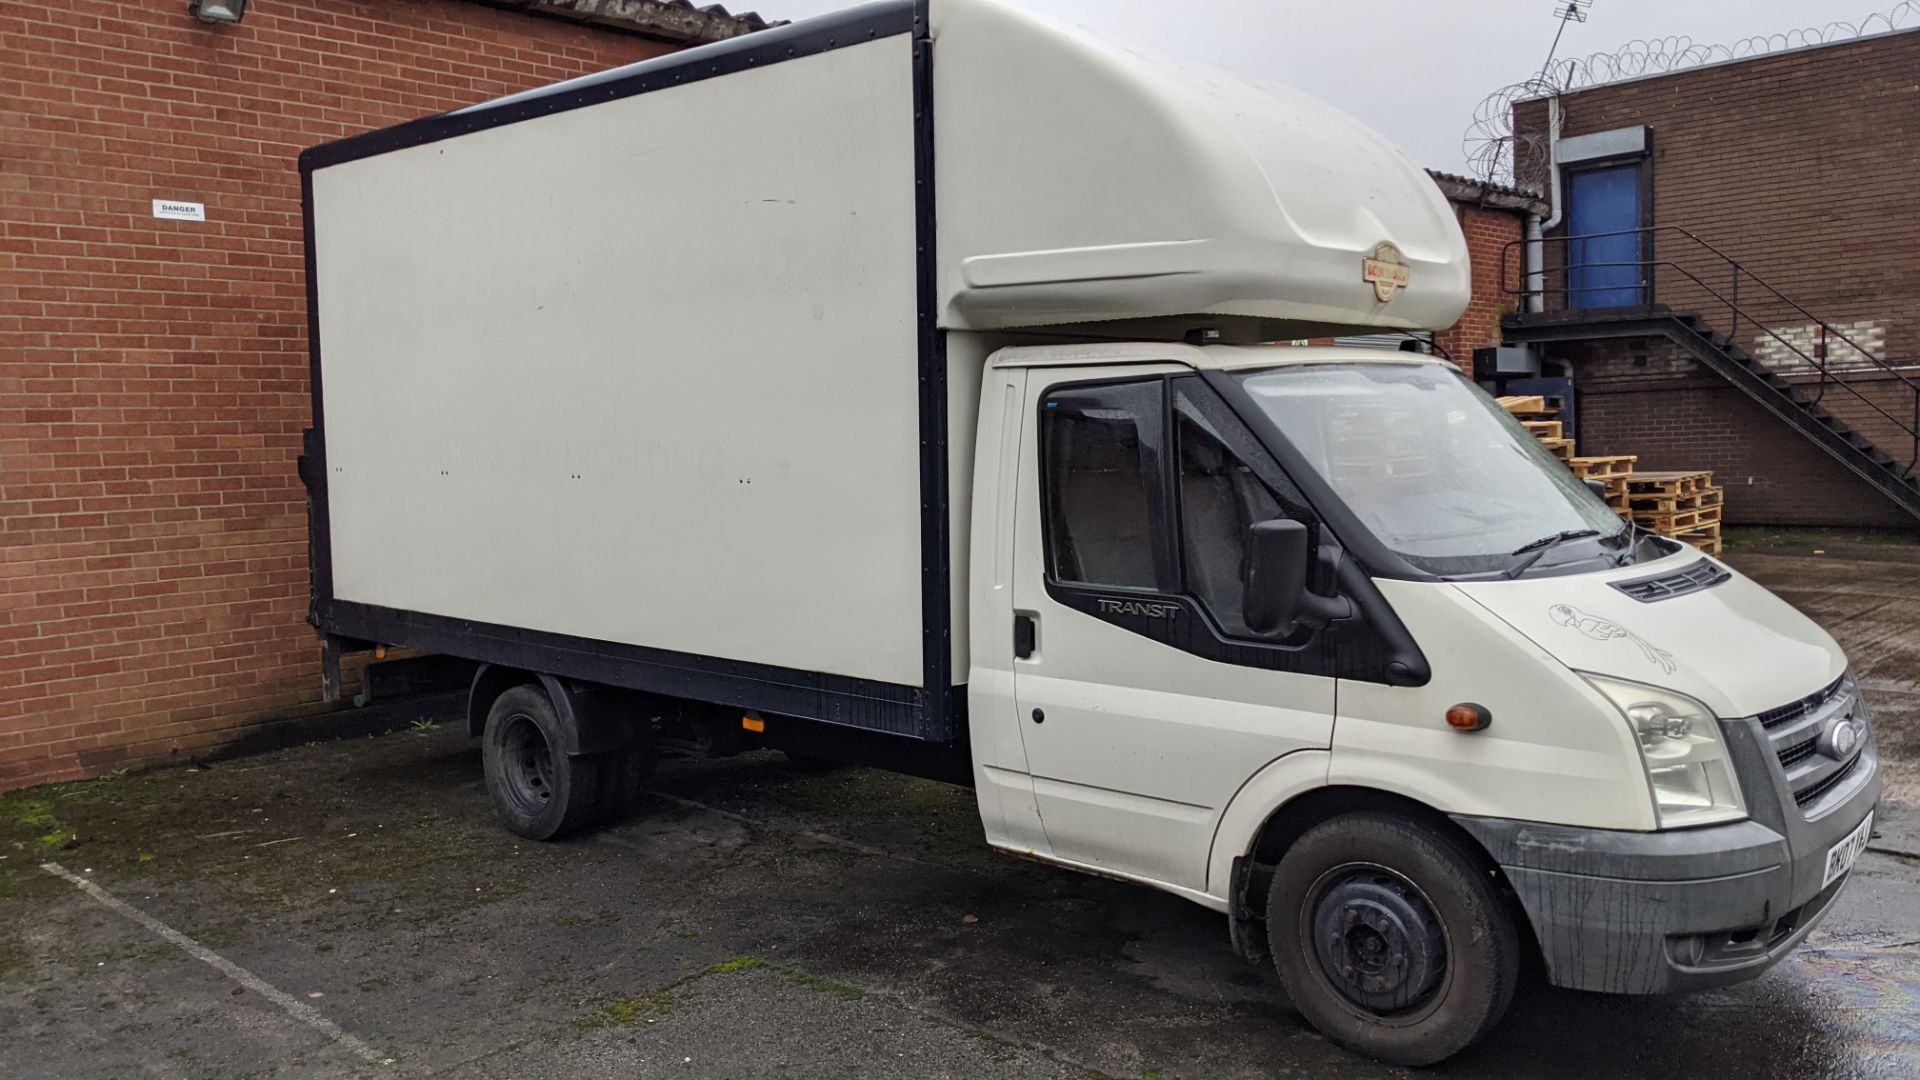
{"points": [[1600, 629]]}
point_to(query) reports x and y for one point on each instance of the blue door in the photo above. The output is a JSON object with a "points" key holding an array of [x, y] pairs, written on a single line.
{"points": [[1603, 258]]}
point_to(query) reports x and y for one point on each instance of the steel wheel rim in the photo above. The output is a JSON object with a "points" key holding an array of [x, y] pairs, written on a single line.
{"points": [[526, 764], [1377, 942]]}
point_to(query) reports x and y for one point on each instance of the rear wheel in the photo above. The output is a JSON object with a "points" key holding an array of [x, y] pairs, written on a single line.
{"points": [[1391, 939], [541, 792]]}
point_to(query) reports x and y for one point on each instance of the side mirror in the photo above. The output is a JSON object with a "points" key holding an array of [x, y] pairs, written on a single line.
{"points": [[1598, 487], [1276, 575]]}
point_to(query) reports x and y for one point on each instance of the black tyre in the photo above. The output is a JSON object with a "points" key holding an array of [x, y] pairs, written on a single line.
{"points": [[540, 792], [623, 777], [1391, 938]]}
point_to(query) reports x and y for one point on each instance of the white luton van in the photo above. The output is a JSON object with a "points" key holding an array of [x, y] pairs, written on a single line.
{"points": [[888, 387]]}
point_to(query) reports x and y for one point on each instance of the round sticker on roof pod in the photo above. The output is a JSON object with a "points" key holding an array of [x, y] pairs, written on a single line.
{"points": [[1386, 271]]}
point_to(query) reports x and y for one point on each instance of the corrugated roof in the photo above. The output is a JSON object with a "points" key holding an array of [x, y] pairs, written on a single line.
{"points": [[1468, 189], [668, 20]]}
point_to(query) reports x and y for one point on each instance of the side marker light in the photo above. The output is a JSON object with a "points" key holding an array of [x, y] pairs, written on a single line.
{"points": [[1467, 716]]}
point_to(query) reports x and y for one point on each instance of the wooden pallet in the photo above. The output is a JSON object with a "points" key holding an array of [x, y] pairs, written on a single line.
{"points": [[1656, 482], [1674, 522], [1543, 429], [1705, 537], [1601, 468], [1661, 501], [1533, 407], [1616, 494], [1560, 448]]}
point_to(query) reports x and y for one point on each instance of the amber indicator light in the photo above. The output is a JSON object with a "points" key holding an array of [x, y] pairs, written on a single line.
{"points": [[1467, 716]]}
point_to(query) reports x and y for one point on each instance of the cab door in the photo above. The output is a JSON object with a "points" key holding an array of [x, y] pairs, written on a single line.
{"points": [[1144, 701]]}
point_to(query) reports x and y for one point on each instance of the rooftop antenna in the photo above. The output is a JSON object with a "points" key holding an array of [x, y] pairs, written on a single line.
{"points": [[1571, 11]]}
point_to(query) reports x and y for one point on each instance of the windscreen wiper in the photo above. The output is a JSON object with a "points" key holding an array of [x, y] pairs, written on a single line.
{"points": [[1634, 529], [1534, 549]]}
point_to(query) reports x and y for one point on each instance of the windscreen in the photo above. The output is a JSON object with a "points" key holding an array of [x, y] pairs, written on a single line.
{"points": [[1434, 466]]}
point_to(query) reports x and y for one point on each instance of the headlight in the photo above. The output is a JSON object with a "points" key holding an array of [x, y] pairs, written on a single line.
{"points": [[1684, 751]]}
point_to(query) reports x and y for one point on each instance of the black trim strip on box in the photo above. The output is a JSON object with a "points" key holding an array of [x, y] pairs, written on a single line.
{"points": [[812, 695], [808, 37], [936, 553], [313, 447], [934, 711]]}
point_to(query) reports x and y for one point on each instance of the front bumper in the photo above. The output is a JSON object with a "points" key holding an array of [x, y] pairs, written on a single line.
{"points": [[1660, 912]]}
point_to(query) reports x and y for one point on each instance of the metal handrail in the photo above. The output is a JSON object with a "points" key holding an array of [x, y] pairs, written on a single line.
{"points": [[1736, 312]]}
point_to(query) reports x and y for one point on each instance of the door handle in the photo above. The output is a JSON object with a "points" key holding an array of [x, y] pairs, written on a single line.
{"points": [[1025, 630]]}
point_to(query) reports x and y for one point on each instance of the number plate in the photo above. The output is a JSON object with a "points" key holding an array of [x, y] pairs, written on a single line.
{"points": [[1841, 855]]}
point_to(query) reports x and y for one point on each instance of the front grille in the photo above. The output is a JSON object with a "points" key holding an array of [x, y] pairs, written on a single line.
{"points": [[1812, 792], [1795, 732], [1787, 714], [1701, 575], [1798, 752]]}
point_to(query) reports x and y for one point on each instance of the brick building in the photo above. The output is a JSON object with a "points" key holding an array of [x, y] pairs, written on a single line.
{"points": [[1773, 197], [1493, 218], [153, 372]]}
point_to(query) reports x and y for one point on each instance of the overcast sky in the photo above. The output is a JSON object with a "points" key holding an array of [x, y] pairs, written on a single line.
{"points": [[1446, 59]]}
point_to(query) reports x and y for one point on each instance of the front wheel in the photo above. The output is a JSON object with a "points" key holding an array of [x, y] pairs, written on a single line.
{"points": [[1391, 938]]}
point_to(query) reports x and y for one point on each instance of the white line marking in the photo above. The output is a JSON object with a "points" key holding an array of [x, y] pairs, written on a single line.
{"points": [[297, 1009]]}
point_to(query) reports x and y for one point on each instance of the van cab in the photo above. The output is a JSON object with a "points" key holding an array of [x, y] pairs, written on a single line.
{"points": [[1324, 639]]}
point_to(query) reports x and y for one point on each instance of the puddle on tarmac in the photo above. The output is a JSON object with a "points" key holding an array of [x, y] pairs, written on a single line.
{"points": [[1872, 994]]}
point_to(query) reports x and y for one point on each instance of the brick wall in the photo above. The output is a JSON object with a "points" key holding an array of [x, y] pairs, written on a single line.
{"points": [[1799, 165], [1488, 233], [1649, 397], [153, 374]]}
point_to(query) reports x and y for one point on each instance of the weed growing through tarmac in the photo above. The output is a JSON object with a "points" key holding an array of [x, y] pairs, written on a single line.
{"points": [[31, 810], [661, 1000], [38, 817]]}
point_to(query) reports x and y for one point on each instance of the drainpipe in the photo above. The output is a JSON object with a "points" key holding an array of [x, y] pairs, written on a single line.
{"points": [[1536, 228], [1553, 164], [1536, 266]]}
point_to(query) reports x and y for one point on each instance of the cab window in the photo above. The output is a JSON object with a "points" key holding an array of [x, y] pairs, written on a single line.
{"points": [[1129, 507], [1103, 447], [1220, 500]]}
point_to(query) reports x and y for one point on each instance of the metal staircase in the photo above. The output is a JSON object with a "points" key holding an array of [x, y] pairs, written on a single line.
{"points": [[1830, 367]]}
